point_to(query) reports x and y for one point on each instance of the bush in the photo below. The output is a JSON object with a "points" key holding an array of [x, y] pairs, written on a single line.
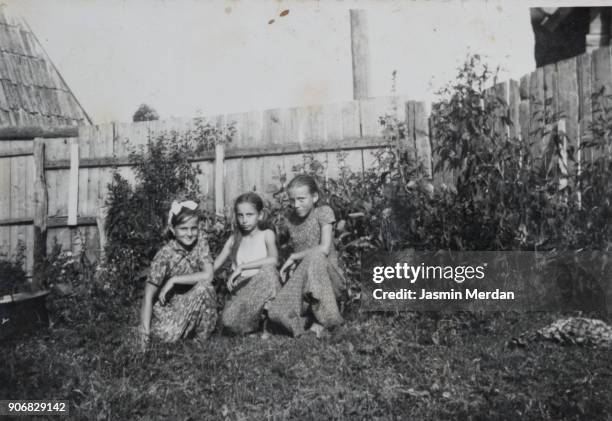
{"points": [[12, 275], [137, 215]]}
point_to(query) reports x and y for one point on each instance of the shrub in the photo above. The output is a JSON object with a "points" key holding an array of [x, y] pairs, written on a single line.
{"points": [[12, 275], [137, 215]]}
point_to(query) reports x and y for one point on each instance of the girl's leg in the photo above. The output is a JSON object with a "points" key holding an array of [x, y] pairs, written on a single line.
{"points": [[242, 313], [319, 290]]}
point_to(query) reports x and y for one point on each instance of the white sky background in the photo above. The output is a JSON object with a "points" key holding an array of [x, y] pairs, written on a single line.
{"points": [[213, 56]]}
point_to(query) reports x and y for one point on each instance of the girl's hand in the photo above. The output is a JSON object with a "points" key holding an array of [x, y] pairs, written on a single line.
{"points": [[164, 291], [231, 282], [287, 267]]}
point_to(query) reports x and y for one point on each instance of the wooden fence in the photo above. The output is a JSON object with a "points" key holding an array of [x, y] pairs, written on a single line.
{"points": [[75, 167]]}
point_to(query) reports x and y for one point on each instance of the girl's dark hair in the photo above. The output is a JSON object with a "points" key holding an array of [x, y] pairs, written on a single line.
{"points": [[311, 183], [304, 180], [263, 224]]}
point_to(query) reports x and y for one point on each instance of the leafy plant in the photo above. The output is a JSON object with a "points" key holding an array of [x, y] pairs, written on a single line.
{"points": [[12, 275], [137, 215]]}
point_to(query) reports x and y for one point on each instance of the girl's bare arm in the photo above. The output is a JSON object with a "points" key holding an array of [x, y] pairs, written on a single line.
{"points": [[147, 307], [225, 253], [193, 278]]}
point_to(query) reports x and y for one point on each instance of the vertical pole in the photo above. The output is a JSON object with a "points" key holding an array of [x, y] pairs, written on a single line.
{"points": [[219, 176], [597, 31], [40, 213], [73, 186], [360, 50], [101, 223]]}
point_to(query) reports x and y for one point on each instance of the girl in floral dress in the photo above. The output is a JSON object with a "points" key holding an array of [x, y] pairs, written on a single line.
{"points": [[253, 253], [308, 300], [179, 299]]}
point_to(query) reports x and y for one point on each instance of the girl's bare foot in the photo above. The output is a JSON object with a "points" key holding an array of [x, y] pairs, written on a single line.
{"points": [[265, 335], [319, 331]]}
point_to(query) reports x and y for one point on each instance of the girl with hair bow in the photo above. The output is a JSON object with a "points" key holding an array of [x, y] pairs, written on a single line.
{"points": [[179, 299]]}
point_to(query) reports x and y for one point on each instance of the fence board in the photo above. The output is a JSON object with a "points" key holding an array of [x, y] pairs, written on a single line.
{"points": [[601, 84], [278, 126], [333, 122], [584, 68], [19, 190], [550, 93], [568, 97], [372, 109], [421, 134], [525, 109], [536, 126], [501, 93], [514, 101], [84, 173], [5, 200]]}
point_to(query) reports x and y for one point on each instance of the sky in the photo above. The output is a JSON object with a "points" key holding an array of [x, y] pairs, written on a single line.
{"points": [[189, 57]]}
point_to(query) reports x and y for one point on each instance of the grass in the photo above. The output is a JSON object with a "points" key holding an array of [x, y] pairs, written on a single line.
{"points": [[377, 366]]}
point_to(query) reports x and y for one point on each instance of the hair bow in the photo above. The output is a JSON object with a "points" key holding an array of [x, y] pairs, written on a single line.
{"points": [[176, 207]]}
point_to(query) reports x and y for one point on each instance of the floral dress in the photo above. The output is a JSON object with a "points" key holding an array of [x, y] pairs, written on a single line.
{"points": [[189, 310], [317, 282]]}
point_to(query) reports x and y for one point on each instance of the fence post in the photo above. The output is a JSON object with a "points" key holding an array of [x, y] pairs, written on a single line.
{"points": [[101, 223], [73, 186], [219, 176], [40, 212]]}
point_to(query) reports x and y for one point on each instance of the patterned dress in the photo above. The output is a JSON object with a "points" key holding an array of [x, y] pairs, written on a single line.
{"points": [[189, 310], [317, 282], [242, 313]]}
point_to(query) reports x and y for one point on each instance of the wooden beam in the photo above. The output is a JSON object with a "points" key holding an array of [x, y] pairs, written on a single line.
{"points": [[219, 179], [52, 222], [73, 183], [62, 221], [234, 153], [40, 212], [360, 50], [101, 223], [27, 151], [32, 132]]}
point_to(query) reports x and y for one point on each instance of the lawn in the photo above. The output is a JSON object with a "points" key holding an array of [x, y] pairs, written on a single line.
{"points": [[376, 366]]}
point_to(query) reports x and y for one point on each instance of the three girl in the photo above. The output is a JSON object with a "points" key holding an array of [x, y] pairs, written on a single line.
{"points": [[312, 279]]}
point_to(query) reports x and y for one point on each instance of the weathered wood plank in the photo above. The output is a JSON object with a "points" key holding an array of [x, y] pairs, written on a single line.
{"points": [[568, 97], [584, 68], [537, 110], [421, 133], [514, 101], [601, 85], [30, 132], [525, 110], [235, 153], [17, 202], [73, 182], [219, 178], [14, 151], [39, 232]]}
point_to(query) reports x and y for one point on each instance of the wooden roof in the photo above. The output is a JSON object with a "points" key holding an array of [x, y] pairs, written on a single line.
{"points": [[32, 92]]}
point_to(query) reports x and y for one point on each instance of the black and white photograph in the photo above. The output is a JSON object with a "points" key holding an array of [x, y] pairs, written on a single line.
{"points": [[306, 210]]}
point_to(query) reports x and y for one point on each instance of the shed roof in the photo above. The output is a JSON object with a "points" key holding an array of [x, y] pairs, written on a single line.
{"points": [[32, 91]]}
